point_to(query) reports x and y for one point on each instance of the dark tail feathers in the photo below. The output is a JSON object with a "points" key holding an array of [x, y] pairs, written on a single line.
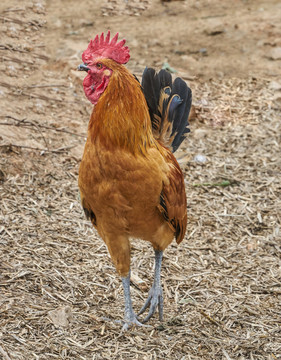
{"points": [[169, 104]]}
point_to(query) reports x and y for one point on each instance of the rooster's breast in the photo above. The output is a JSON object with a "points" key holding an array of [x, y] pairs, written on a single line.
{"points": [[122, 189]]}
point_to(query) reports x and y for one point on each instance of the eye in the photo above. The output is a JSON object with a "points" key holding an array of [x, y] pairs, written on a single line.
{"points": [[99, 65]]}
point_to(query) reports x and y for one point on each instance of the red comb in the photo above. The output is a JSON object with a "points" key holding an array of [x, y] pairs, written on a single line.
{"points": [[103, 47]]}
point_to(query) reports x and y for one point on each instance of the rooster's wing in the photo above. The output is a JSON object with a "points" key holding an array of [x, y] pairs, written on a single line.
{"points": [[173, 200]]}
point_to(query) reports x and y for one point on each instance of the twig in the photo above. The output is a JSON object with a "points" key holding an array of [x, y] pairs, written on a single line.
{"points": [[36, 96], [42, 97], [39, 130], [59, 150], [19, 61], [13, 10], [11, 48], [30, 95], [11, 117], [44, 86], [209, 318], [18, 21], [20, 122], [213, 16], [223, 183], [29, 123]]}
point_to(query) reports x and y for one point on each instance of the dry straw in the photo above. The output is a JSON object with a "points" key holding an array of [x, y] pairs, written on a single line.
{"points": [[59, 292]]}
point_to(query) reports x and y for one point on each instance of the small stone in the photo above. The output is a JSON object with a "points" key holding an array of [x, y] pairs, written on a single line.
{"points": [[204, 102], [11, 70], [200, 158], [203, 51], [275, 53], [38, 8], [61, 317], [274, 85]]}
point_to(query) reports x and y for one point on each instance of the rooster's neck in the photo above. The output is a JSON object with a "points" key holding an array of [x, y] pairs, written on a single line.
{"points": [[121, 117]]}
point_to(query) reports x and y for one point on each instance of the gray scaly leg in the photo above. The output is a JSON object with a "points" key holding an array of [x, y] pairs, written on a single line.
{"points": [[130, 317], [155, 295]]}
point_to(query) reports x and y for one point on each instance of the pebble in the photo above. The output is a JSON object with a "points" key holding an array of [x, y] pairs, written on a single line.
{"points": [[275, 53], [200, 158], [274, 85]]}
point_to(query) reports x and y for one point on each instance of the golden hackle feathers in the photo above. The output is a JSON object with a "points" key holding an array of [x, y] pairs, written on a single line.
{"points": [[121, 117]]}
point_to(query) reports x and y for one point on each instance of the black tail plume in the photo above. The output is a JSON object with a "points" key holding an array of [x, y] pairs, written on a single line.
{"points": [[169, 105]]}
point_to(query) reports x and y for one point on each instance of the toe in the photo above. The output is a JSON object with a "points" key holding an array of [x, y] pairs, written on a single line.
{"points": [[125, 327], [145, 306], [152, 310], [156, 301], [160, 308], [134, 322]]}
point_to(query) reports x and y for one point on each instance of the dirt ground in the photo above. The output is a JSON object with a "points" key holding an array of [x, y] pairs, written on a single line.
{"points": [[58, 288]]}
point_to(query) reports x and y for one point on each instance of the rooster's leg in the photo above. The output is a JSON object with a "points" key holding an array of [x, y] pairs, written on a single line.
{"points": [[119, 249], [155, 295], [130, 317]]}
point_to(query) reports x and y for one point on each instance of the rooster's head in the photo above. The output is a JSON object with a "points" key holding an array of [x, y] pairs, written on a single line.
{"points": [[98, 68]]}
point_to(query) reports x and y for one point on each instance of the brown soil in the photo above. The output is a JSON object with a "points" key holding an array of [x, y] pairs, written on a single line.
{"points": [[222, 284]]}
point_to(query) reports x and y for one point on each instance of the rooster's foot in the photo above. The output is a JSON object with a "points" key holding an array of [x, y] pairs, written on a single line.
{"points": [[154, 300], [130, 321]]}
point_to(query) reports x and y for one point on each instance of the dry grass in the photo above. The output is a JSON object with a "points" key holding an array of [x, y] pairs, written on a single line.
{"points": [[58, 288]]}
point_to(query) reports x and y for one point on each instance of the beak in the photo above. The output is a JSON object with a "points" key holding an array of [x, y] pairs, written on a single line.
{"points": [[83, 67]]}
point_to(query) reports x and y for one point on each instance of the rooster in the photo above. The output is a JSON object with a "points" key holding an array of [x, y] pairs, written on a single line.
{"points": [[130, 183]]}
